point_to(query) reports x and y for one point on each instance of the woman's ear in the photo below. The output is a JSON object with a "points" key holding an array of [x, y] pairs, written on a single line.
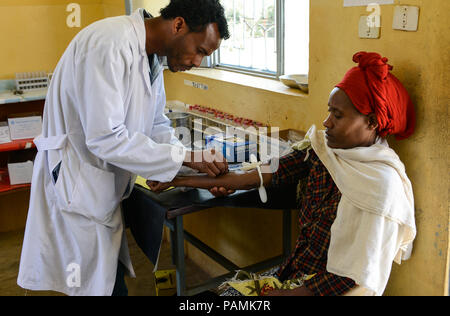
{"points": [[372, 121]]}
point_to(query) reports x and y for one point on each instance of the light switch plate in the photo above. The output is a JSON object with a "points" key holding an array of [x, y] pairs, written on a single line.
{"points": [[406, 18], [367, 28]]}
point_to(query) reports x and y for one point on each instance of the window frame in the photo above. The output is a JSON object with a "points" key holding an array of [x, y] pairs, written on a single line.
{"points": [[213, 60], [207, 62], [280, 31], [128, 7]]}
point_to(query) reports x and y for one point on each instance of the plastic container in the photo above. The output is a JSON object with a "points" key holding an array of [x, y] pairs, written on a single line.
{"points": [[180, 119], [27, 81]]}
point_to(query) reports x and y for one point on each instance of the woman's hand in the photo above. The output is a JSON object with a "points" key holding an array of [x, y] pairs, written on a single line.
{"points": [[158, 187], [221, 191]]}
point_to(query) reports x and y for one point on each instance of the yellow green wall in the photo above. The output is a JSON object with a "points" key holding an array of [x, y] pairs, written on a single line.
{"points": [[35, 34], [418, 59], [421, 62]]}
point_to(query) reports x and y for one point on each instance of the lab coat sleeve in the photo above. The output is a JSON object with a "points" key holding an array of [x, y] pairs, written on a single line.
{"points": [[162, 132], [102, 78]]}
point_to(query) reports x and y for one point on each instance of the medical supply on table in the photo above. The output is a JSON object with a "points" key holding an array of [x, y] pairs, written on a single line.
{"points": [[222, 117], [180, 119], [232, 147], [32, 80], [261, 189]]}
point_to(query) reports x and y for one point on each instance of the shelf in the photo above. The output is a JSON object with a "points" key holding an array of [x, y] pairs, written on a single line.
{"points": [[7, 95], [6, 188], [17, 145]]}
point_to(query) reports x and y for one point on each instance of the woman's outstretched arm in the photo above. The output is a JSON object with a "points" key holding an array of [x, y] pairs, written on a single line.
{"points": [[231, 181]]}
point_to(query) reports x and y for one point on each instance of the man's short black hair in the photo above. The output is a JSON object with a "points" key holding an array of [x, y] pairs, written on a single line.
{"points": [[198, 14]]}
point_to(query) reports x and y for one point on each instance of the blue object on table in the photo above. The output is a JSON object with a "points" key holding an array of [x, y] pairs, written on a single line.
{"points": [[234, 148]]}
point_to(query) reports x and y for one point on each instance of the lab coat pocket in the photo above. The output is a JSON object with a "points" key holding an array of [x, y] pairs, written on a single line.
{"points": [[61, 178], [95, 194]]}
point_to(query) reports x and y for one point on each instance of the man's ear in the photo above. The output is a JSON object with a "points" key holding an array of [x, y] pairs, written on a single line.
{"points": [[179, 26], [372, 121]]}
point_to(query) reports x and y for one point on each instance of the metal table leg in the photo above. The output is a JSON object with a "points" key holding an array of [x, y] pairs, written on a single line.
{"points": [[178, 236], [173, 245], [179, 257]]}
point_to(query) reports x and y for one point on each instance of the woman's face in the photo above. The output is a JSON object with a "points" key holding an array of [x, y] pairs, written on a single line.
{"points": [[345, 126]]}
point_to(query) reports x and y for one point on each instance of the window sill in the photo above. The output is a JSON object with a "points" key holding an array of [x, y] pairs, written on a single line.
{"points": [[246, 80]]}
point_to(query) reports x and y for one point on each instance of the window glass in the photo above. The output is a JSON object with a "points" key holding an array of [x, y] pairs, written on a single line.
{"points": [[253, 43]]}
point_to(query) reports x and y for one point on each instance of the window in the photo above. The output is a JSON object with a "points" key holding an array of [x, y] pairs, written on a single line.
{"points": [[268, 37], [153, 7]]}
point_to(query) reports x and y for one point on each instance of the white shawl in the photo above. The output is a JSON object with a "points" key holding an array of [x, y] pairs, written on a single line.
{"points": [[375, 223]]}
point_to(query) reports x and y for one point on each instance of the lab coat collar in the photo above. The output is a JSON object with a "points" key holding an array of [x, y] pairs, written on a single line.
{"points": [[155, 62], [137, 18]]}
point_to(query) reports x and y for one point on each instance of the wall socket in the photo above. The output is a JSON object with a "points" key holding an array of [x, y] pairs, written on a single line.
{"points": [[406, 18]]}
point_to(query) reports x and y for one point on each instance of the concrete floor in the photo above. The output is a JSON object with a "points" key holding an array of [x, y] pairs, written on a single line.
{"points": [[142, 285]]}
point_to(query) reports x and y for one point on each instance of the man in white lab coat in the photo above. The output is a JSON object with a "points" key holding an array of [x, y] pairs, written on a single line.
{"points": [[103, 124]]}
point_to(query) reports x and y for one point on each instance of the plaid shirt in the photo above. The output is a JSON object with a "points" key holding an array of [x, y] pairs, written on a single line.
{"points": [[318, 201]]}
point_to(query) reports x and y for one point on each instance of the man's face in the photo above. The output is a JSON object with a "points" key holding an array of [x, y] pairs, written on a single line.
{"points": [[345, 126], [188, 48]]}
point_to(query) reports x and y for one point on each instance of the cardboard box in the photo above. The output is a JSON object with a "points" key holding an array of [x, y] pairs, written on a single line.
{"points": [[20, 173], [165, 283], [25, 127], [4, 133], [233, 148]]}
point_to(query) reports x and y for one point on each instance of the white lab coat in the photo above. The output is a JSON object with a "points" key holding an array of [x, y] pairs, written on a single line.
{"points": [[104, 122]]}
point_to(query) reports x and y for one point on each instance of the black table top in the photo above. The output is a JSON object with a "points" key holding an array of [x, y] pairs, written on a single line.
{"points": [[145, 212], [180, 202]]}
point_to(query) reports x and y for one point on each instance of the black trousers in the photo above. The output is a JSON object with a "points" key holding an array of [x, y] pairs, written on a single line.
{"points": [[120, 287]]}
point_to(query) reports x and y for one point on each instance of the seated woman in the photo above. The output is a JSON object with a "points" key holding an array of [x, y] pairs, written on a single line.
{"points": [[356, 203]]}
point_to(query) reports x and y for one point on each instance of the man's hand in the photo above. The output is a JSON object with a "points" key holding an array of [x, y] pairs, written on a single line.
{"points": [[208, 161]]}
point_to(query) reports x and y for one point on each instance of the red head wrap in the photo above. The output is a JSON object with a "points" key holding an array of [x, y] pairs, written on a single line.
{"points": [[373, 89]]}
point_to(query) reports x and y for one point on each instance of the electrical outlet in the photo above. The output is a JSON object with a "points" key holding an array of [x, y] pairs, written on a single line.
{"points": [[406, 18], [368, 29]]}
